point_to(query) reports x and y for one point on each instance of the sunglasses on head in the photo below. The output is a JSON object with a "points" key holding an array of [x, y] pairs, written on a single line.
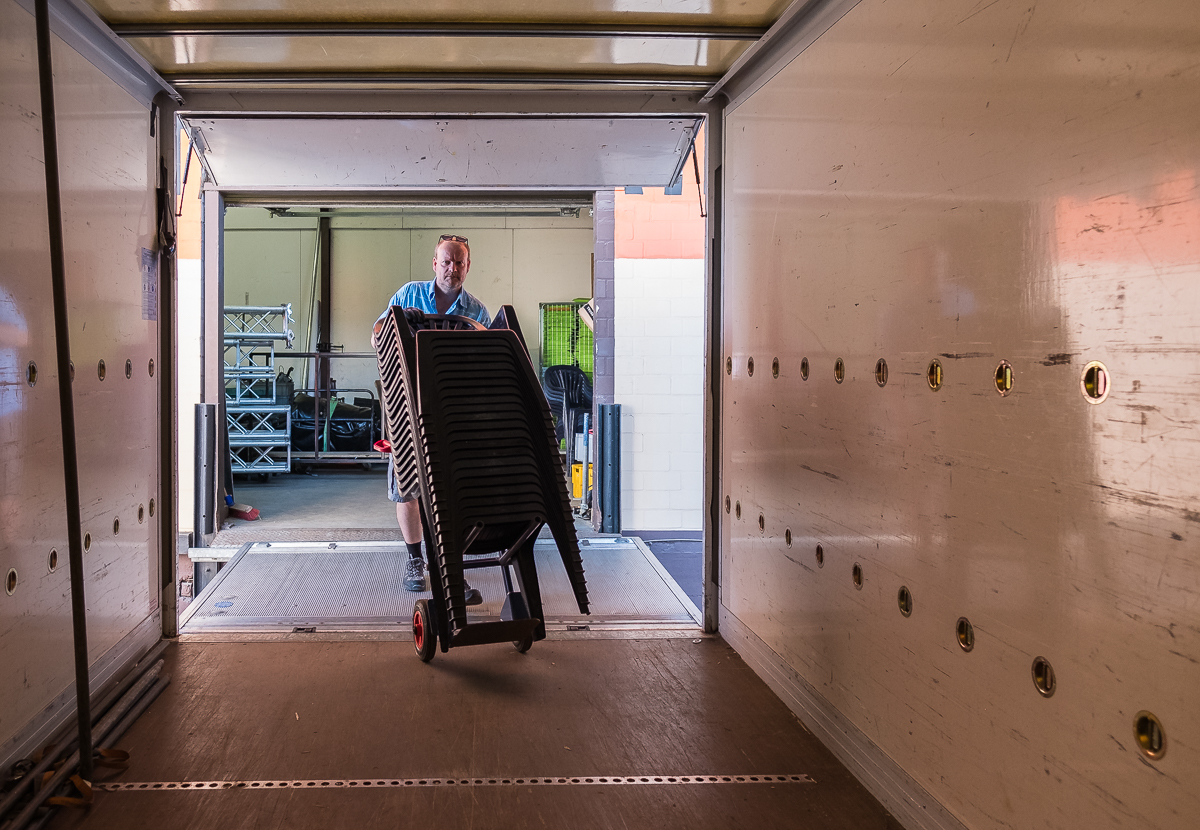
{"points": [[452, 237]]}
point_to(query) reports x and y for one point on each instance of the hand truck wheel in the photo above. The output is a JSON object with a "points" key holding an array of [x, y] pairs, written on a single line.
{"points": [[523, 645], [424, 637]]}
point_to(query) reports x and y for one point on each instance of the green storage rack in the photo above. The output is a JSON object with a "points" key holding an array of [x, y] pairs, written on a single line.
{"points": [[565, 339]]}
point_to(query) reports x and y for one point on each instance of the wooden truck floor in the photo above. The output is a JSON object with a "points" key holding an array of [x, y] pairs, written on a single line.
{"points": [[332, 713]]}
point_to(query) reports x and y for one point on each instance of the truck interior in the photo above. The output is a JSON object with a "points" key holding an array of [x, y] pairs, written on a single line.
{"points": [[886, 315]]}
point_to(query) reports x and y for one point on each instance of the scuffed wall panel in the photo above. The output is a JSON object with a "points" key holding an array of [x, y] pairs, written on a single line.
{"points": [[976, 183], [108, 212]]}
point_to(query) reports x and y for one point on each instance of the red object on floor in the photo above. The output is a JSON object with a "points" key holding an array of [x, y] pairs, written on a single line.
{"points": [[243, 511], [383, 445]]}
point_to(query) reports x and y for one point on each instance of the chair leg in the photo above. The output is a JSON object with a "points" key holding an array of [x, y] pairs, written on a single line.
{"points": [[527, 582]]}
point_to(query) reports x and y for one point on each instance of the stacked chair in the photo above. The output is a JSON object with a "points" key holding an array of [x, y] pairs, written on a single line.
{"points": [[569, 392], [470, 429]]}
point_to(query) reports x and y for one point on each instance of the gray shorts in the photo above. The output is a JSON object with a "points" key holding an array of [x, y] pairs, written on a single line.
{"points": [[394, 488]]}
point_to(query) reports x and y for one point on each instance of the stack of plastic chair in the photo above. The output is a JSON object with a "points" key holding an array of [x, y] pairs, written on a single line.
{"points": [[470, 429], [570, 395]]}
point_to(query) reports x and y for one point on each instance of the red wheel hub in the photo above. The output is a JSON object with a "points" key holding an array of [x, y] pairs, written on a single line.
{"points": [[418, 631]]}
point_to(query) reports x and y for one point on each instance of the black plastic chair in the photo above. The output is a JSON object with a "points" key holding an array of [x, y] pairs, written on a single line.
{"points": [[569, 392]]}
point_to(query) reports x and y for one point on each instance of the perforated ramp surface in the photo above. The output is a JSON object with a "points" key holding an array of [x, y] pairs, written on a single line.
{"points": [[278, 587]]}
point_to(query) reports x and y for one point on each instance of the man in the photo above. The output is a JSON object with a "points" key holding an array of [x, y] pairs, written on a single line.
{"points": [[444, 294]]}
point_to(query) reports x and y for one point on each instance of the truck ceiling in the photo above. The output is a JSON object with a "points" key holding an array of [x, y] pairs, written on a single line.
{"points": [[685, 44]]}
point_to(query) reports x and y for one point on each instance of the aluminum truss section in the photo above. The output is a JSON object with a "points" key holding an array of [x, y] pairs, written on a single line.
{"points": [[260, 438], [260, 426], [249, 372], [259, 323]]}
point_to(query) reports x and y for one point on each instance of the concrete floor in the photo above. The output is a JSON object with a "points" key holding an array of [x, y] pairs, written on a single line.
{"points": [[327, 498], [684, 561], [350, 501], [333, 711]]}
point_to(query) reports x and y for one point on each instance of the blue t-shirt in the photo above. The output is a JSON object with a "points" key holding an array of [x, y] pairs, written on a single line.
{"points": [[421, 295]]}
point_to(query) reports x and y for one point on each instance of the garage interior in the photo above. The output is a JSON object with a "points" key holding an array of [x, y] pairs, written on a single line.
{"points": [[949, 271]]}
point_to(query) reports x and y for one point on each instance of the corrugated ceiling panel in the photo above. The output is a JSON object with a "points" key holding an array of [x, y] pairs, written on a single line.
{"points": [[630, 12], [672, 57]]}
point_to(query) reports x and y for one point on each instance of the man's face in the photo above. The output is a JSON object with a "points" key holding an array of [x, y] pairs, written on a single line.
{"points": [[451, 261]]}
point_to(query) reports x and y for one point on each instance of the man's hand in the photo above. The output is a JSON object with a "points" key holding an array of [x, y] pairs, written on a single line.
{"points": [[415, 316]]}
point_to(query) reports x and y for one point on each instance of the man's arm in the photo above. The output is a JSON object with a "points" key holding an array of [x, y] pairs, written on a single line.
{"points": [[484, 317], [397, 299]]}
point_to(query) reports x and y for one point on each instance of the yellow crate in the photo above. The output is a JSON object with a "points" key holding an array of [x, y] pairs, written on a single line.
{"points": [[577, 479]]}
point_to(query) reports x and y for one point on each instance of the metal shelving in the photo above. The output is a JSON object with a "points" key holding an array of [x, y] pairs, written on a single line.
{"points": [[260, 426]]}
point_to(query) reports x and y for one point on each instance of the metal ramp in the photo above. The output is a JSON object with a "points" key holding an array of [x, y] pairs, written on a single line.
{"points": [[282, 587]]}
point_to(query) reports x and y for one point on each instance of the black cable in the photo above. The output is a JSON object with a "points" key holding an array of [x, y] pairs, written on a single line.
{"points": [[66, 402]]}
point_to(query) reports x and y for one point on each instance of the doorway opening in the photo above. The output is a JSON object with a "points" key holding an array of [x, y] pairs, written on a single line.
{"points": [[316, 484]]}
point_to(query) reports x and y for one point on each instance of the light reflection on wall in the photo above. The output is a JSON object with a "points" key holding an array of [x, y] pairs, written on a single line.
{"points": [[1117, 258], [14, 336]]}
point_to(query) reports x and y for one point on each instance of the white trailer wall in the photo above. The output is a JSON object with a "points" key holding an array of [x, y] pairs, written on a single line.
{"points": [[973, 182], [107, 156]]}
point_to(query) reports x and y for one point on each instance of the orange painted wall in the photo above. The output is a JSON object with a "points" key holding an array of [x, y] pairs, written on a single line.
{"points": [[187, 226], [651, 225]]}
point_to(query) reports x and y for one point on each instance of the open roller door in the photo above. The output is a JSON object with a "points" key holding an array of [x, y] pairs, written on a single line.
{"points": [[380, 154]]}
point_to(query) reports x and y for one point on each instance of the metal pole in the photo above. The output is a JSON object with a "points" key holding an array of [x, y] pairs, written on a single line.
{"points": [[226, 467], [325, 316], [610, 484], [66, 402], [205, 486], [585, 488], [322, 372], [136, 712]]}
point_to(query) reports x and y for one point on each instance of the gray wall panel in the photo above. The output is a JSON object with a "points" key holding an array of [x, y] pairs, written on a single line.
{"points": [[108, 211], [975, 183]]}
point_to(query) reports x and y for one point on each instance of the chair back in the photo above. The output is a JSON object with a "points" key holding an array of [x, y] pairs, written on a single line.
{"points": [[569, 393]]}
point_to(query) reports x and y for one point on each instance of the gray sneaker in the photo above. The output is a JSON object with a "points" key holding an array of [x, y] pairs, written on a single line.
{"points": [[472, 595], [414, 575]]}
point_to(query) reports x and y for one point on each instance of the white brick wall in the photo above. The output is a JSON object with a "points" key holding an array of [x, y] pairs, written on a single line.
{"points": [[658, 380], [187, 374]]}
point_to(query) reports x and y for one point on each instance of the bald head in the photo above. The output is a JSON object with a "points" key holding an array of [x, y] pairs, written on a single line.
{"points": [[451, 262]]}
